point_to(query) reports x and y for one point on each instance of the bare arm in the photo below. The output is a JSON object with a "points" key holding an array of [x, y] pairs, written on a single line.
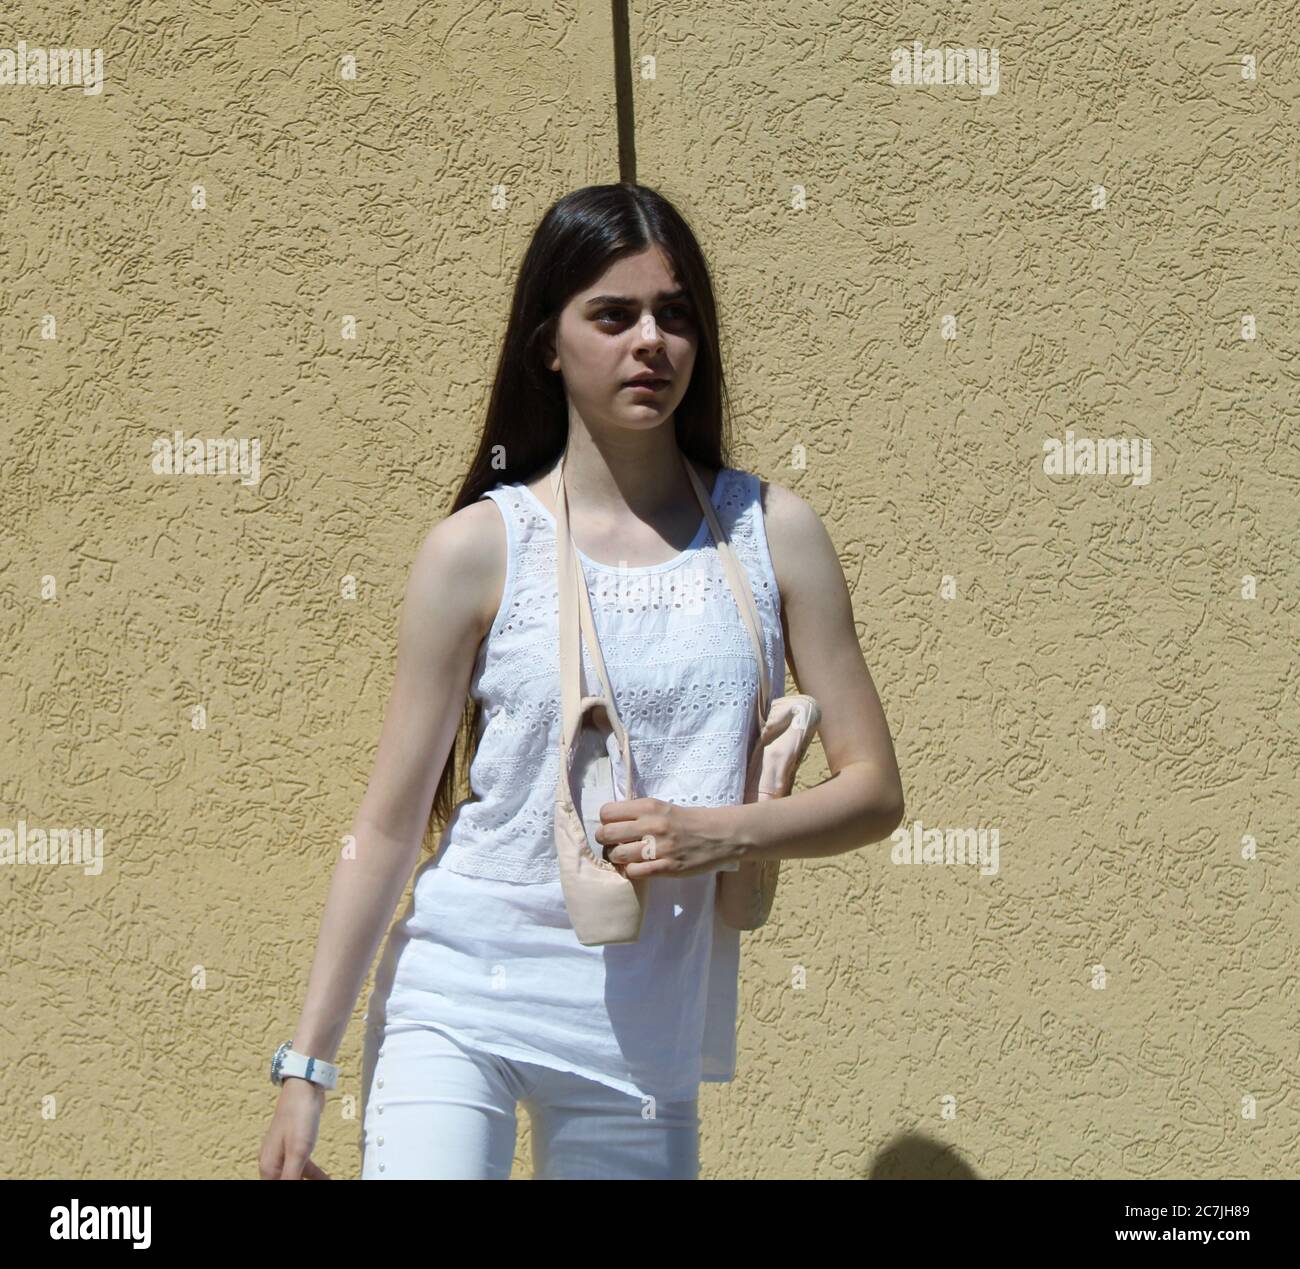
{"points": [[862, 801], [451, 598]]}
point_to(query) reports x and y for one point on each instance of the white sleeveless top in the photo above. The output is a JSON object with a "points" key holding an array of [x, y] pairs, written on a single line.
{"points": [[486, 951]]}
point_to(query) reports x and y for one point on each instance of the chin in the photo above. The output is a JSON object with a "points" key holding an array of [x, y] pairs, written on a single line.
{"points": [[638, 420], [645, 422], [644, 409]]}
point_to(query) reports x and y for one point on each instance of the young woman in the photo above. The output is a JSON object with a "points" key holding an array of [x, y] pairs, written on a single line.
{"points": [[484, 996]]}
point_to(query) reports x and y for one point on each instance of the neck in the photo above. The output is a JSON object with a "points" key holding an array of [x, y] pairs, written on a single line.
{"points": [[642, 471]]}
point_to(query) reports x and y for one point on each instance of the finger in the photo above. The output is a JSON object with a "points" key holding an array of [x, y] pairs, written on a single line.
{"points": [[666, 867], [774, 727], [650, 868], [314, 1172], [292, 1170], [639, 850], [629, 810], [618, 834], [623, 853]]}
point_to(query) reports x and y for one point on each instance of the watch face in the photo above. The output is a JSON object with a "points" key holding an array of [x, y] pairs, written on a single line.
{"points": [[277, 1062]]}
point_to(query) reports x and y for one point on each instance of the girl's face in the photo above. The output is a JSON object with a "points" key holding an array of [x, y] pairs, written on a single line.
{"points": [[634, 320]]}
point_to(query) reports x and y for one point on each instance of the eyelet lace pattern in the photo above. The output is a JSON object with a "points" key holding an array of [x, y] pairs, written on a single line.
{"points": [[680, 663]]}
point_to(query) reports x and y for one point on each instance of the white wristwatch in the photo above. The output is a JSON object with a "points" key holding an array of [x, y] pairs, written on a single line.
{"points": [[286, 1062]]}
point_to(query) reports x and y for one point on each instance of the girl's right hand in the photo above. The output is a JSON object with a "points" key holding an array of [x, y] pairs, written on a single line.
{"points": [[287, 1146]]}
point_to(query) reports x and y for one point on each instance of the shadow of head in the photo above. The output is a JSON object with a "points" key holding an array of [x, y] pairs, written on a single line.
{"points": [[915, 1157]]}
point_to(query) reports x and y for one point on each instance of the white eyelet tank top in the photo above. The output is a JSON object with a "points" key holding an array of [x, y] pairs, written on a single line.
{"points": [[486, 951]]}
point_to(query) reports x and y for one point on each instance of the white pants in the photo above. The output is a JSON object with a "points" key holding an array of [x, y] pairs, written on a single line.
{"points": [[434, 1110]]}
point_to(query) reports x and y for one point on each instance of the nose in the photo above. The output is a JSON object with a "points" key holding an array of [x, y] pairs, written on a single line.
{"points": [[649, 331]]}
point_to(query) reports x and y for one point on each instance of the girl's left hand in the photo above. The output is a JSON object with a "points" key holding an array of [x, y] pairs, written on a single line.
{"points": [[646, 837]]}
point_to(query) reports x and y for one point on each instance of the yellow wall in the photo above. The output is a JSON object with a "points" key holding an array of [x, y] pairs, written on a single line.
{"points": [[918, 289]]}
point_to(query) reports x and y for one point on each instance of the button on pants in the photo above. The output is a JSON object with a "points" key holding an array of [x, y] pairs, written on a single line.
{"points": [[436, 1110]]}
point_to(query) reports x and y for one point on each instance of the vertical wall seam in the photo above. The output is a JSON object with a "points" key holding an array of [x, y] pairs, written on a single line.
{"points": [[624, 107]]}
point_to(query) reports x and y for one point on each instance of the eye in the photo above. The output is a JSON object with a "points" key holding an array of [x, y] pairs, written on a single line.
{"points": [[620, 315]]}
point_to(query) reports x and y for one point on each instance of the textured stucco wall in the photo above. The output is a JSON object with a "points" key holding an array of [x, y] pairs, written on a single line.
{"points": [[919, 289]]}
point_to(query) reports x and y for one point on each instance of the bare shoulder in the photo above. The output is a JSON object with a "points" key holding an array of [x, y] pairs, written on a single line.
{"points": [[803, 555], [460, 567]]}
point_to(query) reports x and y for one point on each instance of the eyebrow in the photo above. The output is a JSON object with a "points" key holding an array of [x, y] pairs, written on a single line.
{"points": [[630, 302]]}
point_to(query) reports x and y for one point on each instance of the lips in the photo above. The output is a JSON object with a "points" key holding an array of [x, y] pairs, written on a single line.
{"points": [[653, 385]]}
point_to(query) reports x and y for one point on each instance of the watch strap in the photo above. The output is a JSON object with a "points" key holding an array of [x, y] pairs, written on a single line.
{"points": [[315, 1070]]}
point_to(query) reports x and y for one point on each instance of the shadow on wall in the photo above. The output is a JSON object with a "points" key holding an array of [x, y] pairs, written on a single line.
{"points": [[917, 1158]]}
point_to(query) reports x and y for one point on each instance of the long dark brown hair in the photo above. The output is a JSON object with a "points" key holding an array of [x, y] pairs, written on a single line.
{"points": [[527, 422]]}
